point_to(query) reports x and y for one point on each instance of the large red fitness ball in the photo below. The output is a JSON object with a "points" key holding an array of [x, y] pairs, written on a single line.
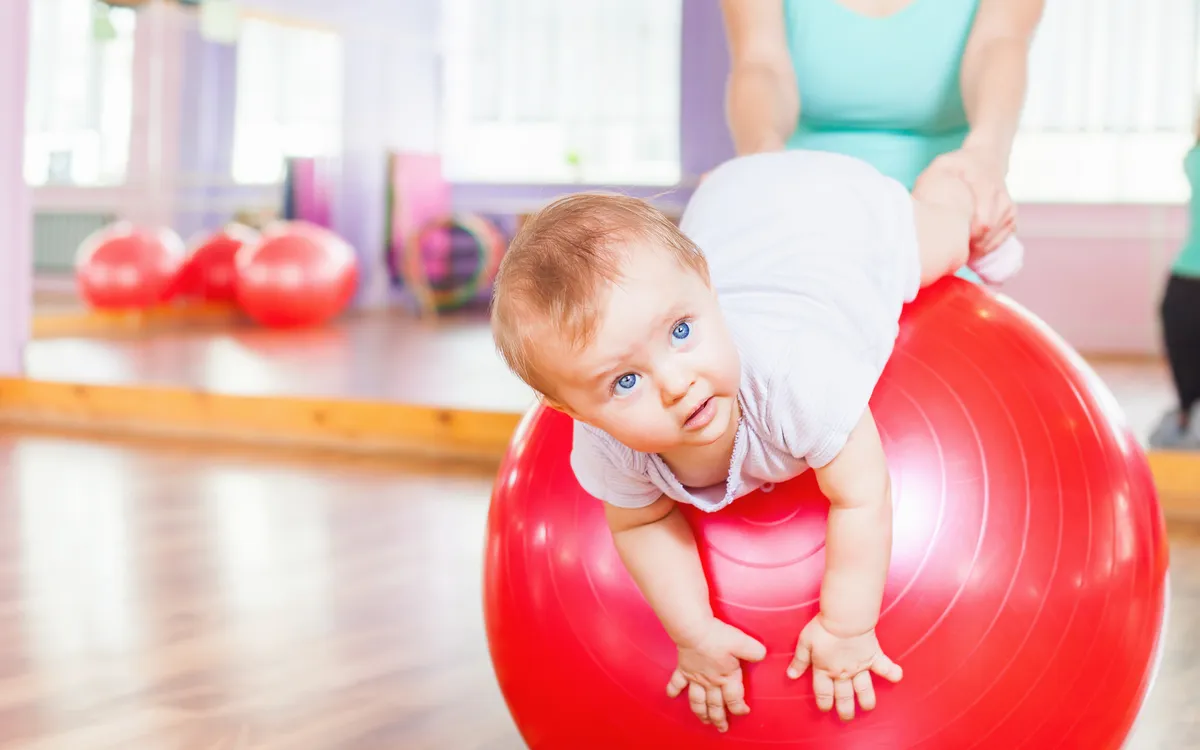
{"points": [[126, 267], [298, 274], [209, 274], [1024, 601]]}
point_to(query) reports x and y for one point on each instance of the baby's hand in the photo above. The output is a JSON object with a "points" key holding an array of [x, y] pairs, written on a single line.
{"points": [[710, 670], [842, 667]]}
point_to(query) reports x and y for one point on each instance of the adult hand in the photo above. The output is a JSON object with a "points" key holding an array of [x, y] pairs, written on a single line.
{"points": [[995, 215]]}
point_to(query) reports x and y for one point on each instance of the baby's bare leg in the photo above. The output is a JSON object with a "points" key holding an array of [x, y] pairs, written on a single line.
{"points": [[943, 205]]}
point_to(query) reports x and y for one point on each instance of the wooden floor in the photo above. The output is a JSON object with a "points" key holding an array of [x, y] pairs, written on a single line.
{"points": [[377, 357], [166, 598], [159, 598]]}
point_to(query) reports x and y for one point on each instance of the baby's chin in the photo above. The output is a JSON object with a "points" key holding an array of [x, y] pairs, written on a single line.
{"points": [[676, 444], [639, 443]]}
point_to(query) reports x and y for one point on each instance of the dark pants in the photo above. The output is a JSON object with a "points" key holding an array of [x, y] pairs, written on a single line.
{"points": [[1180, 312]]}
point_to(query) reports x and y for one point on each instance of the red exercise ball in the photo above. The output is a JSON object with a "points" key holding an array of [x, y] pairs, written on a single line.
{"points": [[209, 274], [298, 274], [126, 267], [1025, 598]]}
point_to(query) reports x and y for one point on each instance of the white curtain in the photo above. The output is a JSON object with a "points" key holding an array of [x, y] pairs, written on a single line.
{"points": [[1113, 66], [289, 97], [545, 90], [1111, 102], [80, 102]]}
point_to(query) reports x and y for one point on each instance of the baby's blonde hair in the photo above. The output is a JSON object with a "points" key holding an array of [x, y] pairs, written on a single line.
{"points": [[558, 262]]}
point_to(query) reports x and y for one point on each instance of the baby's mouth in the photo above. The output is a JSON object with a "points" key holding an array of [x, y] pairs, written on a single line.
{"points": [[699, 408]]}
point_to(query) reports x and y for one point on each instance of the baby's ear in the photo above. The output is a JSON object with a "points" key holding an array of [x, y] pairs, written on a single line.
{"points": [[552, 404]]}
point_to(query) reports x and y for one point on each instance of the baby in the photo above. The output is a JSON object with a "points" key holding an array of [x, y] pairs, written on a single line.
{"points": [[738, 350]]}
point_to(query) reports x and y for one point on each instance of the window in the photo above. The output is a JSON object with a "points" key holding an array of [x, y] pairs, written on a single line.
{"points": [[80, 102], [289, 98], [1109, 109], [546, 91]]}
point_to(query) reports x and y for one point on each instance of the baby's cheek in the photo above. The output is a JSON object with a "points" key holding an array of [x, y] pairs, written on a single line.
{"points": [[646, 411], [626, 409]]}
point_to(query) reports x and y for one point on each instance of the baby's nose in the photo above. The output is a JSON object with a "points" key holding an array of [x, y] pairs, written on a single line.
{"points": [[676, 385]]}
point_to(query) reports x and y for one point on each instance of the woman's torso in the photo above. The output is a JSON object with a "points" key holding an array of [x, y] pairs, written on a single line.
{"points": [[1187, 262], [883, 89]]}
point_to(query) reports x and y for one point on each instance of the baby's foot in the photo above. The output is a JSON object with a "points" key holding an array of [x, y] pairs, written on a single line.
{"points": [[1001, 264]]}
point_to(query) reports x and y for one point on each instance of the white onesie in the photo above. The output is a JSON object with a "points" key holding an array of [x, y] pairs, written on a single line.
{"points": [[813, 255]]}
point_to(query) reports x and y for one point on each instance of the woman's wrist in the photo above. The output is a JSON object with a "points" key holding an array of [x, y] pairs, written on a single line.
{"points": [[996, 145], [763, 144]]}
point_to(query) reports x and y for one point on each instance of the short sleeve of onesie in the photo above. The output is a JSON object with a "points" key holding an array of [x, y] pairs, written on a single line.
{"points": [[818, 391], [609, 471]]}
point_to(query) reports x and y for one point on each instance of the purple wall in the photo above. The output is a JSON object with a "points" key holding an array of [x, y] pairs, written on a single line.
{"points": [[391, 102], [704, 64], [16, 261]]}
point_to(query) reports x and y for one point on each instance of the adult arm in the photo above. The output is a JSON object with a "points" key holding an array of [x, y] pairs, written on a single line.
{"points": [[993, 83], [762, 103], [995, 72]]}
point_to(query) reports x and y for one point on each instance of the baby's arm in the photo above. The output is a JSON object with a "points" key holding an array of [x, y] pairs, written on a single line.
{"points": [[840, 643], [942, 207], [658, 549], [858, 536]]}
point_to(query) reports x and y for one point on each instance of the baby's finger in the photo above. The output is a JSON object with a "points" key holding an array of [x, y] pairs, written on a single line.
{"points": [[697, 701], [799, 662], [843, 696], [734, 693], [750, 650], [677, 684], [823, 689], [716, 709], [865, 690], [887, 669]]}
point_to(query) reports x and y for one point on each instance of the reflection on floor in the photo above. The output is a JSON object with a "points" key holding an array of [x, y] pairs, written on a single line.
{"points": [[55, 294], [158, 597], [385, 357]]}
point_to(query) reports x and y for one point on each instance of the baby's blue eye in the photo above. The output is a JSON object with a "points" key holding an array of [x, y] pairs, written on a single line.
{"points": [[625, 383], [682, 331]]}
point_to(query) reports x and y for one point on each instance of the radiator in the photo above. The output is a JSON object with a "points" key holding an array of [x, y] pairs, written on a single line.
{"points": [[56, 237]]}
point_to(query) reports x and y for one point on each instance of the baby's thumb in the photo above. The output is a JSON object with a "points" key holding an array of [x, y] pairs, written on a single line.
{"points": [[750, 650]]}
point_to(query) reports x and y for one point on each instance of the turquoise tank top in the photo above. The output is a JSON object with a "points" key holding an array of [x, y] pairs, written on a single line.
{"points": [[885, 90], [1187, 263]]}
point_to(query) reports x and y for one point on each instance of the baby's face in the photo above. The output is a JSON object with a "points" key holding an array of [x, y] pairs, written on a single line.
{"points": [[661, 371]]}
